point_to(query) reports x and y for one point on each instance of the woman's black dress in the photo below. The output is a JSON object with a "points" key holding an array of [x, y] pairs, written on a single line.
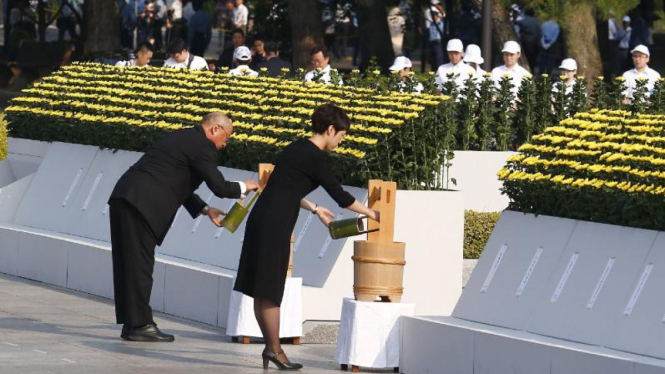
{"points": [[299, 170]]}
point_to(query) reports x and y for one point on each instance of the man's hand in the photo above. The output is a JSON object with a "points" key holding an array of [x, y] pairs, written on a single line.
{"points": [[213, 214], [325, 215], [251, 185]]}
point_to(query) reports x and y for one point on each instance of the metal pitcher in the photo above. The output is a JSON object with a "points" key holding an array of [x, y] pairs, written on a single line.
{"points": [[345, 228], [237, 214]]}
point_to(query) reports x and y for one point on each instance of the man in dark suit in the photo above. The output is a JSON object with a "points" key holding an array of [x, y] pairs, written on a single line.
{"points": [[144, 203], [272, 62], [226, 57]]}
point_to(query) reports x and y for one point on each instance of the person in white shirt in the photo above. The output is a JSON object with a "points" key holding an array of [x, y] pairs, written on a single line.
{"points": [[402, 66], [144, 53], [179, 57], [242, 57], [568, 69], [624, 43], [321, 61], [642, 70], [435, 7], [511, 54], [474, 58], [460, 70], [176, 7], [240, 14]]}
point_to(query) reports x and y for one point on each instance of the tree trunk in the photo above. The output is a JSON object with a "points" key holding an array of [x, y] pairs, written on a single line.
{"points": [[102, 26], [502, 30], [375, 38], [306, 29], [581, 40]]}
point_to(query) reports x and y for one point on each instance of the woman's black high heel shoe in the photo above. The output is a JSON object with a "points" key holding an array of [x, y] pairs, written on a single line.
{"points": [[272, 356]]}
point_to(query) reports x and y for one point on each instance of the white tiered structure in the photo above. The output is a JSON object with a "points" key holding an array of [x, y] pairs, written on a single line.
{"points": [[551, 295], [54, 228]]}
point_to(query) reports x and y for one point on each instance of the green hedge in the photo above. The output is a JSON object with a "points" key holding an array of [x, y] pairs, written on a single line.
{"points": [[478, 227]]}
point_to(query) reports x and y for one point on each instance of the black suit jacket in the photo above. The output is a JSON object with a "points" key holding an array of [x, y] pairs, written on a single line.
{"points": [[226, 58], [274, 66], [167, 175]]}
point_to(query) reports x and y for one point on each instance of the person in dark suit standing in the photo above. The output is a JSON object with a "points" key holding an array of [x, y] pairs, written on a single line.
{"points": [[144, 203], [302, 167], [273, 62], [226, 57]]}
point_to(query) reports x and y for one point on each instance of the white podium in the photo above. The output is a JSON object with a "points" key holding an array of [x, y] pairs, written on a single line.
{"points": [[242, 324], [369, 334]]}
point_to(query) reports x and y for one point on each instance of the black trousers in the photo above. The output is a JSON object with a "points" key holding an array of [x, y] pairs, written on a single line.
{"points": [[133, 246]]}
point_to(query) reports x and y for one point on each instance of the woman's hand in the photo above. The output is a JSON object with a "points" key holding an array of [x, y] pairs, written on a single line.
{"points": [[376, 215], [325, 215]]}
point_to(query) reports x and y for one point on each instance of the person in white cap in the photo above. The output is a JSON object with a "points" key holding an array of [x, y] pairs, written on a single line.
{"points": [[179, 57], [642, 70], [568, 69], [460, 70], [402, 66], [511, 54], [321, 62], [242, 57], [474, 58]]}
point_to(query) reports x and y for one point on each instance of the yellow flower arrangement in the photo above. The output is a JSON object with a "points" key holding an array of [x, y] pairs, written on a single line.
{"points": [[613, 158], [128, 108]]}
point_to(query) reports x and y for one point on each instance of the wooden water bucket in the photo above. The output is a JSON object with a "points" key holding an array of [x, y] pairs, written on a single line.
{"points": [[379, 262], [378, 271]]}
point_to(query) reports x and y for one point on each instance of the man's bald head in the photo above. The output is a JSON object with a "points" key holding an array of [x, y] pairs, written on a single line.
{"points": [[216, 118], [217, 127]]}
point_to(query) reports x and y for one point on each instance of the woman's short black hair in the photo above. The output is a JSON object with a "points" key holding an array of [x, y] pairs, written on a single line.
{"points": [[329, 114]]}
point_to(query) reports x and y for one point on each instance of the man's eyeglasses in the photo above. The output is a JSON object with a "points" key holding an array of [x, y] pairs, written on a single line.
{"points": [[228, 135]]}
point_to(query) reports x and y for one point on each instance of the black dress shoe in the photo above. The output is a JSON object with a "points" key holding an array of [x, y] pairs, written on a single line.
{"points": [[269, 356], [125, 332], [147, 333]]}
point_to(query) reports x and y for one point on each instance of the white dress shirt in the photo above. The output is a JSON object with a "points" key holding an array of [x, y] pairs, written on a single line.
{"points": [[198, 63], [631, 77], [240, 16], [419, 88], [516, 74], [325, 78], [569, 87], [176, 6], [462, 72], [243, 70], [127, 63]]}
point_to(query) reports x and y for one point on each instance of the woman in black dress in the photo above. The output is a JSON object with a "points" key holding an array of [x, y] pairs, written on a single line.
{"points": [[301, 168]]}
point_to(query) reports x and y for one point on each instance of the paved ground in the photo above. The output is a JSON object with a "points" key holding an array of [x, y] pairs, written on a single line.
{"points": [[47, 330]]}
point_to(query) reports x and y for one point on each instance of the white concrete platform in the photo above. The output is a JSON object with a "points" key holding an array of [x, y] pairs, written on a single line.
{"points": [[449, 345], [54, 228], [552, 295]]}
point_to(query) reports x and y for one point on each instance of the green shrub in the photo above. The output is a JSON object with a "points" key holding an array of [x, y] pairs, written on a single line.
{"points": [[478, 227]]}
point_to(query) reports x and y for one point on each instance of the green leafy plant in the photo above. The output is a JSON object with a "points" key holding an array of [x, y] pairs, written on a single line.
{"points": [[503, 129], [478, 227], [525, 118]]}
